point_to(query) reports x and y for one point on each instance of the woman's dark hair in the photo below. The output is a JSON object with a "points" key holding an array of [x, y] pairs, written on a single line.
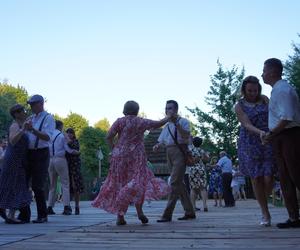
{"points": [[71, 131], [131, 108], [197, 141], [58, 124], [252, 80], [16, 108]]}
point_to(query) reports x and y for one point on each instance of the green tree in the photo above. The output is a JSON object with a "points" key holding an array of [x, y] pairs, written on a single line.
{"points": [[19, 93], [219, 127], [6, 101], [75, 121], [91, 139], [292, 67], [9, 95], [103, 124], [58, 117]]}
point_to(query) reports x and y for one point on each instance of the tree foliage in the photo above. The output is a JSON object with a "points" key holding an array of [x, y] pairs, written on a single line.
{"points": [[219, 127], [103, 124], [19, 93], [9, 95], [75, 121], [91, 139], [292, 67]]}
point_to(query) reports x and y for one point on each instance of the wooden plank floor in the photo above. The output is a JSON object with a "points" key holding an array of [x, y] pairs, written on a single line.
{"points": [[220, 228]]}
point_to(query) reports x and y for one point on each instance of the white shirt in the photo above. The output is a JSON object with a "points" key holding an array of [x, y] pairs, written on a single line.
{"points": [[226, 164], [284, 105], [59, 144], [48, 128], [166, 138]]}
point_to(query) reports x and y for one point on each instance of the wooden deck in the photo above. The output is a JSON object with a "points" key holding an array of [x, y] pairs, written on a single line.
{"points": [[220, 228]]}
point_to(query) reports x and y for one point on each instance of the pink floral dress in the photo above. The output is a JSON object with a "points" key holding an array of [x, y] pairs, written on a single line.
{"points": [[129, 180]]}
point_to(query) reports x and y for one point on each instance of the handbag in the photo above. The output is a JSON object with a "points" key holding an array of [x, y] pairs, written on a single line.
{"points": [[188, 157]]}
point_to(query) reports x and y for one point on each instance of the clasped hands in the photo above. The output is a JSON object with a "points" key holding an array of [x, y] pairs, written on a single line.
{"points": [[265, 137]]}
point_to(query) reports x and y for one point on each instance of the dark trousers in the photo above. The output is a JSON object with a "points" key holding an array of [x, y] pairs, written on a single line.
{"points": [[286, 147], [227, 192], [36, 172], [187, 183]]}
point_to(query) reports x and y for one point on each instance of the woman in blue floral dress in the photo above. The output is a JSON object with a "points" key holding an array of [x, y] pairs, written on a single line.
{"points": [[255, 159], [215, 181], [14, 191]]}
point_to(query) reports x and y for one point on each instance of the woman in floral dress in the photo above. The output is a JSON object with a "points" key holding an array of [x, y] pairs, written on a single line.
{"points": [[255, 159], [74, 164], [129, 179], [215, 181], [197, 174], [14, 190]]}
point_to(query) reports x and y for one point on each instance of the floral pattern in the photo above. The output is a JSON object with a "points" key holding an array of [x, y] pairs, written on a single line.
{"points": [[197, 173], [255, 159], [129, 179]]}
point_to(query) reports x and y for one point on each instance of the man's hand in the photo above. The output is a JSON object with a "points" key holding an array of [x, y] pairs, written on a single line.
{"points": [[265, 137]]}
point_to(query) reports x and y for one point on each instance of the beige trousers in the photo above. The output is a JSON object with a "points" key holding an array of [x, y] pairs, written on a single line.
{"points": [[178, 188], [59, 167]]}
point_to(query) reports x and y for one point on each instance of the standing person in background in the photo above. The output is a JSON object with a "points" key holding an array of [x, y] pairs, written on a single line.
{"points": [[255, 159], [59, 167], [129, 179], [284, 126], [215, 181], [174, 135], [226, 167], [197, 174], [74, 163], [14, 190], [235, 186], [40, 128]]}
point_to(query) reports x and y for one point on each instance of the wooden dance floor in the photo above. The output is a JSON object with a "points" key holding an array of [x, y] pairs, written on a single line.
{"points": [[219, 228]]}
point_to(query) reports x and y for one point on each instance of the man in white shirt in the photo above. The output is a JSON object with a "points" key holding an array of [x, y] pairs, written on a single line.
{"points": [[226, 166], [177, 130], [284, 125], [40, 127], [59, 167]]}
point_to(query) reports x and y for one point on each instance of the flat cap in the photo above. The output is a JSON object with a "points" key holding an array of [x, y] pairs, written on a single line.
{"points": [[35, 98]]}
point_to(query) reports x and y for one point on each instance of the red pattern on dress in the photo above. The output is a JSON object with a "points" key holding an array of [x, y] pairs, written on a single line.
{"points": [[129, 180]]}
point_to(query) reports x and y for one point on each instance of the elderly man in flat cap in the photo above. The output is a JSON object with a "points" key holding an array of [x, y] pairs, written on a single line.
{"points": [[40, 128]]}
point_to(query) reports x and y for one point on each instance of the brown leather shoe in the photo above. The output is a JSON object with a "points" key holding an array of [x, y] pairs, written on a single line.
{"points": [[187, 217]]}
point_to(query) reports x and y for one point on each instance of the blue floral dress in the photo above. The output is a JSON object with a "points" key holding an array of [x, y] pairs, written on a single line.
{"points": [[14, 191], [255, 159], [215, 181]]}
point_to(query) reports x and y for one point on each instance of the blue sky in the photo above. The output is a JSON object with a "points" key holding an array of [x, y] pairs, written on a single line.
{"points": [[91, 56]]}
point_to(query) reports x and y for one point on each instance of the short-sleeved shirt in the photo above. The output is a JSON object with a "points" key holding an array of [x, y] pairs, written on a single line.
{"points": [[225, 164], [48, 128], [166, 138], [284, 105]]}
